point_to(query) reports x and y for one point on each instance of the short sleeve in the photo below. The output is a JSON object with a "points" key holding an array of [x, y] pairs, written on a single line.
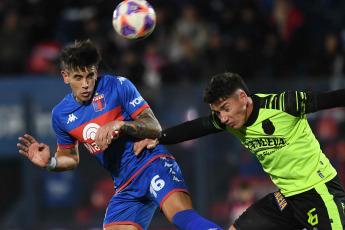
{"points": [[130, 97], [64, 140]]}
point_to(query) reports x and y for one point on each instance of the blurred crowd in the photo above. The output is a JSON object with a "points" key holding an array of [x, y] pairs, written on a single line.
{"points": [[261, 39]]}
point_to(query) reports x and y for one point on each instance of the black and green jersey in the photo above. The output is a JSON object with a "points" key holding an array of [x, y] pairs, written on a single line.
{"points": [[278, 133]]}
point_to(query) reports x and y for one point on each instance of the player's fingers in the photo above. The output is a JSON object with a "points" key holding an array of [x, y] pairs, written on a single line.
{"points": [[139, 146], [24, 148], [25, 141], [24, 153], [41, 146], [30, 138], [152, 144], [137, 149]]}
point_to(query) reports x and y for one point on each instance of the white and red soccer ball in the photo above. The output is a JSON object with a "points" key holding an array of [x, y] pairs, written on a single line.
{"points": [[134, 19]]}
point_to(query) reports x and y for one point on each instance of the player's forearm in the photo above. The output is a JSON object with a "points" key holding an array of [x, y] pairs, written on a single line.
{"points": [[143, 128], [145, 125], [332, 99], [187, 131], [66, 159], [65, 163]]}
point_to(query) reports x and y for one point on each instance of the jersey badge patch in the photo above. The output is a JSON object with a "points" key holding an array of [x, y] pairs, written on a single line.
{"points": [[98, 103], [268, 127]]}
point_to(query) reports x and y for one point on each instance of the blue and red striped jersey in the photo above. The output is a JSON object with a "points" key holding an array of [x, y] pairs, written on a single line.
{"points": [[115, 98]]}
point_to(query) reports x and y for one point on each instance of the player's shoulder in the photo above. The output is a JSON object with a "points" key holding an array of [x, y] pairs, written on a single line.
{"points": [[263, 95], [66, 105], [109, 81]]}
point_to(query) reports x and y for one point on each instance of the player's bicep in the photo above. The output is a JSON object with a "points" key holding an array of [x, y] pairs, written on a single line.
{"points": [[146, 114]]}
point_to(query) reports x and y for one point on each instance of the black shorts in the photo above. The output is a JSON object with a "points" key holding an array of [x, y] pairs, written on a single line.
{"points": [[321, 208]]}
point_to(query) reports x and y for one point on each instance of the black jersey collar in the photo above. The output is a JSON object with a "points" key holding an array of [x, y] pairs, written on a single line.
{"points": [[254, 115]]}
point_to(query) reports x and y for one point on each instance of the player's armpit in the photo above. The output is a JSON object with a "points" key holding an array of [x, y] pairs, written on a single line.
{"points": [[67, 159], [145, 125]]}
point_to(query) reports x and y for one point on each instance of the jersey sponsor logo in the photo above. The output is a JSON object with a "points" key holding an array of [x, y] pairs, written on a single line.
{"points": [[262, 147], [71, 118], [136, 101], [86, 132], [89, 132], [98, 103], [280, 201]]}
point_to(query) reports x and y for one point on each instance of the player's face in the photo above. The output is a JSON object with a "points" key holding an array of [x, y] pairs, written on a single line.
{"points": [[232, 110], [81, 82]]}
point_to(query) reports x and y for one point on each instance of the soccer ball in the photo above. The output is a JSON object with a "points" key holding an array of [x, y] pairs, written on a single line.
{"points": [[134, 19]]}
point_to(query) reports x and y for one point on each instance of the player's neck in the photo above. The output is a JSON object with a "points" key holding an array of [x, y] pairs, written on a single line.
{"points": [[249, 107]]}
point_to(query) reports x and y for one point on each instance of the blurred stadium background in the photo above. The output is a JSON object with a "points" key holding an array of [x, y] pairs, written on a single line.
{"points": [[274, 44]]}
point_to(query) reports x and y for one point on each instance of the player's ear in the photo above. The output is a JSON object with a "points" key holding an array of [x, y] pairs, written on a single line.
{"points": [[243, 97], [65, 76]]}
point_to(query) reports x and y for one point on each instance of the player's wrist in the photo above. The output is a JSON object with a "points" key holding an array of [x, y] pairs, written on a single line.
{"points": [[52, 164]]}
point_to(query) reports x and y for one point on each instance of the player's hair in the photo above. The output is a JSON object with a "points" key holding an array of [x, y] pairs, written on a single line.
{"points": [[223, 86], [81, 56]]}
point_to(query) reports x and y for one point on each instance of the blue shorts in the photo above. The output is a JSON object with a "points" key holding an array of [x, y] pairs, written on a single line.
{"points": [[137, 202]]}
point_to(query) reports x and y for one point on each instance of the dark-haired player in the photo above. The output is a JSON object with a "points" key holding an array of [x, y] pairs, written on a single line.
{"points": [[274, 127], [106, 114]]}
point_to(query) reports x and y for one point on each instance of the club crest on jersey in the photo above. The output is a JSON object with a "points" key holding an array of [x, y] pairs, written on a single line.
{"points": [[98, 102]]}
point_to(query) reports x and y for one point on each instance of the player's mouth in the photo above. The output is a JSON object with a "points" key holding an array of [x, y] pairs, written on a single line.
{"points": [[231, 124], [85, 94]]}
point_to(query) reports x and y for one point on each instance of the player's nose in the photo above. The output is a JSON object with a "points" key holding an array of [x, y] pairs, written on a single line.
{"points": [[85, 84], [223, 118]]}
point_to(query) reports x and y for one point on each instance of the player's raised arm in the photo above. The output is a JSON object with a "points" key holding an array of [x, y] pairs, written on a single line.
{"points": [[39, 154], [183, 132], [332, 99], [145, 125], [188, 130]]}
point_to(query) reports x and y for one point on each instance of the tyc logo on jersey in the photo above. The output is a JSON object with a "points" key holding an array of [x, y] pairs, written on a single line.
{"points": [[71, 118], [89, 132], [98, 102], [136, 101]]}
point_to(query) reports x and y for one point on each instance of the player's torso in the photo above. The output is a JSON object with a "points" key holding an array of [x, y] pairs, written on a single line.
{"points": [[84, 122], [287, 149], [114, 99]]}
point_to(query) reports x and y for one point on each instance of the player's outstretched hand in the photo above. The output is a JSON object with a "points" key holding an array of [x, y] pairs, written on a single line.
{"points": [[144, 143], [38, 153]]}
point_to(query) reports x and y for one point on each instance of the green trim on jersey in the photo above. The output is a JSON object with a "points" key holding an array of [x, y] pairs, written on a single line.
{"points": [[278, 133], [331, 206]]}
